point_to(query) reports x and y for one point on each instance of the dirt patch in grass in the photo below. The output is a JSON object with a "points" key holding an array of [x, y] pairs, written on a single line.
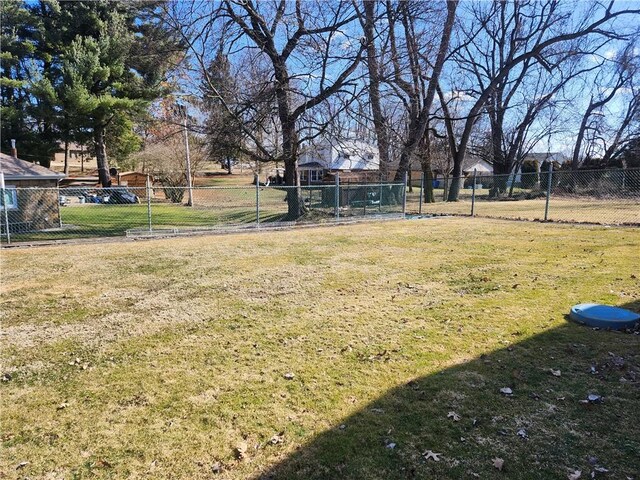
{"points": [[322, 353]]}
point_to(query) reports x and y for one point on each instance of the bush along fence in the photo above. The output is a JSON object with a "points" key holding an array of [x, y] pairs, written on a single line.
{"points": [[607, 197], [44, 214]]}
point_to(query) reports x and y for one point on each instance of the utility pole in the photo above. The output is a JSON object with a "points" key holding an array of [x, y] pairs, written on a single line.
{"points": [[188, 158]]}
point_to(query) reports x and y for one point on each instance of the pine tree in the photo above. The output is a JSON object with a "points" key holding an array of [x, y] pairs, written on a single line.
{"points": [[224, 135]]}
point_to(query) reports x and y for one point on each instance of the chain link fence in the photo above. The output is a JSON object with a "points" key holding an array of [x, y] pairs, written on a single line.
{"points": [[44, 214], [607, 197]]}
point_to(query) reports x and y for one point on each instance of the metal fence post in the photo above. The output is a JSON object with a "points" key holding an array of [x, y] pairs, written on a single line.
{"points": [[257, 177], [549, 182], [59, 216], [4, 208], [149, 202], [404, 195], [473, 194], [445, 187], [421, 194], [337, 195]]}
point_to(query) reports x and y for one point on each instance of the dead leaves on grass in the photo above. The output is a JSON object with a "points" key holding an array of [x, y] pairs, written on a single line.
{"points": [[277, 438], [454, 416], [240, 450], [429, 455], [498, 463]]}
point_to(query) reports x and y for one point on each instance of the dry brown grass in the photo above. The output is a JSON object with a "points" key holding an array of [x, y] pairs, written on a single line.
{"points": [[156, 359]]}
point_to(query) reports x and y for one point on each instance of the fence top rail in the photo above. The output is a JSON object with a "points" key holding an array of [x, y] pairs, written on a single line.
{"points": [[73, 190]]}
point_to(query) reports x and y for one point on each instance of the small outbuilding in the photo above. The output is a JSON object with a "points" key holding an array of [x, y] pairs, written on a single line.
{"points": [[31, 195]]}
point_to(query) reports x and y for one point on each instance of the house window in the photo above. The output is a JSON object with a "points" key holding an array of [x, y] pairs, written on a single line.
{"points": [[10, 198], [316, 175]]}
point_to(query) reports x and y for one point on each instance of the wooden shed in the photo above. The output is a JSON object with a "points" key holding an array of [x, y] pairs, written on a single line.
{"points": [[31, 195], [135, 181], [132, 179]]}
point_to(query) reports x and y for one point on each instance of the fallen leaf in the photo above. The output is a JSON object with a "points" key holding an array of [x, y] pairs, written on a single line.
{"points": [[62, 406], [498, 463], [555, 373], [506, 391], [431, 455], [593, 398], [102, 463], [575, 475], [217, 467], [277, 438], [289, 376], [240, 450], [391, 445], [522, 433], [22, 465], [454, 416]]}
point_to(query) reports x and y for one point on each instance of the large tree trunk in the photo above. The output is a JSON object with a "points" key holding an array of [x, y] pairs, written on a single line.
{"points": [[295, 202], [500, 164], [575, 157], [379, 121], [66, 157], [101, 156], [417, 133], [427, 174], [456, 174]]}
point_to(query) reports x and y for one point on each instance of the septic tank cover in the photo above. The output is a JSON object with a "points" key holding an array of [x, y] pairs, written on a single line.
{"points": [[603, 316]]}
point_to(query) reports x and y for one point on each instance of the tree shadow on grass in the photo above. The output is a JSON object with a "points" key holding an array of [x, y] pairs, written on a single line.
{"points": [[542, 430]]}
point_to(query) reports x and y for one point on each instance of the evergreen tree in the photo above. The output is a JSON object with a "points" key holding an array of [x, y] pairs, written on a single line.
{"points": [[224, 134], [73, 69]]}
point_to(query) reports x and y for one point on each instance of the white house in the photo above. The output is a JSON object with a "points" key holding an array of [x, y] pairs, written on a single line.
{"points": [[482, 167], [337, 155]]}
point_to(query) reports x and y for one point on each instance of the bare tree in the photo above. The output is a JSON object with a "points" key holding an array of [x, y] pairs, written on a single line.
{"points": [[368, 21], [527, 34], [312, 51], [601, 131], [419, 105]]}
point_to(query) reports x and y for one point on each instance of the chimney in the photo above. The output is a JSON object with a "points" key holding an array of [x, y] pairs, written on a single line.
{"points": [[14, 151]]}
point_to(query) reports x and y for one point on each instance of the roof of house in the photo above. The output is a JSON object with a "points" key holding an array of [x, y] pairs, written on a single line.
{"points": [[471, 162], [543, 156], [16, 169], [310, 165]]}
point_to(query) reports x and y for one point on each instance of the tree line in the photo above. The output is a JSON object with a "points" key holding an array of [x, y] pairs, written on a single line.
{"points": [[428, 82]]}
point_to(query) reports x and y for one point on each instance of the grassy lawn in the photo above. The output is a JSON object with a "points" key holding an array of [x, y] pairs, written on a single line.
{"points": [[83, 221], [334, 352], [580, 210]]}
